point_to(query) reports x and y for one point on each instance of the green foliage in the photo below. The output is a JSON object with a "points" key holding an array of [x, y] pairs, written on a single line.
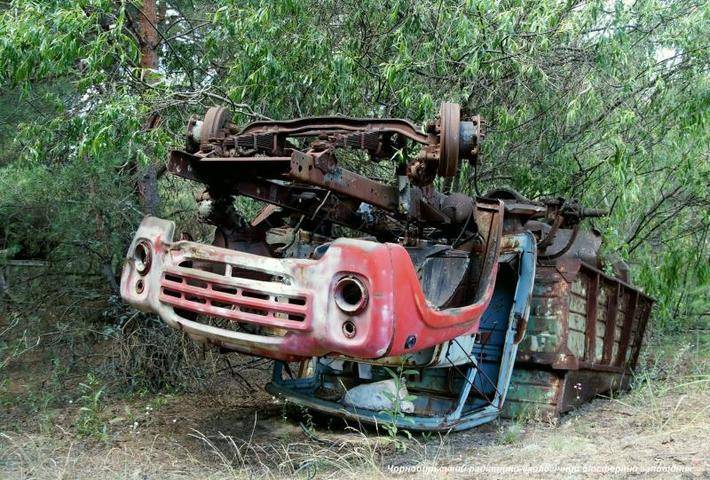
{"points": [[511, 433], [43, 41], [606, 102], [91, 421], [395, 413]]}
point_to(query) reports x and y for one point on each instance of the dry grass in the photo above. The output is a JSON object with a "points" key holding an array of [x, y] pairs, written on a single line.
{"points": [[198, 455], [227, 431]]}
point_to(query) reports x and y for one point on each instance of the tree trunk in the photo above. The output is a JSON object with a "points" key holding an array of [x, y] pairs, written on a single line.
{"points": [[148, 188], [149, 34]]}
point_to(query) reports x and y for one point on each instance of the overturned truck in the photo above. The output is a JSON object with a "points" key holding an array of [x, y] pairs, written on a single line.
{"points": [[379, 294]]}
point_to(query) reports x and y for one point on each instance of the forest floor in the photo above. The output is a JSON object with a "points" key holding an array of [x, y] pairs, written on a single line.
{"points": [[660, 429]]}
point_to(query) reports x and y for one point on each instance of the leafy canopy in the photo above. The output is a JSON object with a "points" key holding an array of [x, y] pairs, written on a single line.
{"points": [[601, 100]]}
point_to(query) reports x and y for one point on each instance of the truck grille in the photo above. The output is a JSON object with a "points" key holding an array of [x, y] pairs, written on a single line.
{"points": [[259, 302]]}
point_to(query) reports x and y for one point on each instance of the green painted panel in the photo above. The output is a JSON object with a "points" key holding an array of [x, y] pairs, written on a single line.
{"points": [[578, 304], [532, 394], [580, 286], [544, 334], [575, 343], [577, 322]]}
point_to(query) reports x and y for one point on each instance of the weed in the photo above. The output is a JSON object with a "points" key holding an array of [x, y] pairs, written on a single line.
{"points": [[14, 344], [511, 434], [307, 423], [676, 366], [395, 411], [91, 421], [7, 400]]}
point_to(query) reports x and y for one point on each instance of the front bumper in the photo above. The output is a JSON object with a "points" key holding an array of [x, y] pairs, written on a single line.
{"points": [[285, 308]]}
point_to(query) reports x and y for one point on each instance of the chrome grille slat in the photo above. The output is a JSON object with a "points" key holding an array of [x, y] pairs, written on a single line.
{"points": [[237, 300], [269, 288], [258, 302]]}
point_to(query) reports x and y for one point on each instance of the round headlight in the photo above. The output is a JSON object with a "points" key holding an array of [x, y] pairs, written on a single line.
{"points": [[350, 294], [142, 257]]}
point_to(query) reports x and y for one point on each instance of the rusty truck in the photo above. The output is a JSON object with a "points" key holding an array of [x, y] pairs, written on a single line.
{"points": [[375, 286]]}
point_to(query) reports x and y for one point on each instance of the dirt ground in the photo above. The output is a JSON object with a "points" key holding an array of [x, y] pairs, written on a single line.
{"points": [[199, 437], [658, 430]]}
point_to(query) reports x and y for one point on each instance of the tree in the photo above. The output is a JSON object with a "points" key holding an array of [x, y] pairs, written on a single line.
{"points": [[603, 101]]}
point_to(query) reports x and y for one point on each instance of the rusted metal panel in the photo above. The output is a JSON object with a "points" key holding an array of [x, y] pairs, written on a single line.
{"points": [[595, 332], [322, 170], [395, 319], [600, 319], [534, 393], [590, 330], [444, 397], [586, 327]]}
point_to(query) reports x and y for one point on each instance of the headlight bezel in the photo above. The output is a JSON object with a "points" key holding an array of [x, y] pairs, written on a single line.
{"points": [[143, 257], [350, 294]]}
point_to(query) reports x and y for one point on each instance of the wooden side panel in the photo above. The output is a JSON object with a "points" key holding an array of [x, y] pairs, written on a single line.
{"points": [[622, 309], [577, 316], [546, 325], [532, 394], [600, 327]]}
